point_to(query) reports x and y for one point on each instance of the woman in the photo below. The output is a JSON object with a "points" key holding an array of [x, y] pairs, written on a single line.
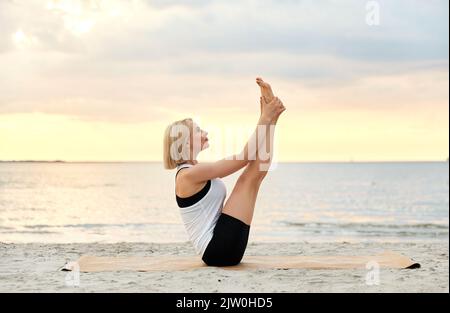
{"points": [[220, 232]]}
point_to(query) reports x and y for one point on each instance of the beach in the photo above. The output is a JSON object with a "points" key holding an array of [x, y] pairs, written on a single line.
{"points": [[51, 214], [35, 267]]}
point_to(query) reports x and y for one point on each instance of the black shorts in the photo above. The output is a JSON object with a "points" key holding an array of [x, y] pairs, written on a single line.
{"points": [[228, 243]]}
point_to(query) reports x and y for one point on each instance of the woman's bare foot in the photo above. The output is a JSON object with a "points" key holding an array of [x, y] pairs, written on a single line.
{"points": [[266, 90]]}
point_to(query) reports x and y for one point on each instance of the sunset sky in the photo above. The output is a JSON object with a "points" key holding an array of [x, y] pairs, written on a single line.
{"points": [[99, 80]]}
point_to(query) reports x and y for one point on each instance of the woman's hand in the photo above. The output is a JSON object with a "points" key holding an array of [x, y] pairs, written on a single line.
{"points": [[273, 109]]}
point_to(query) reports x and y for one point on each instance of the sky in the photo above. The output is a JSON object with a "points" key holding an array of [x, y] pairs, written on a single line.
{"points": [[99, 80]]}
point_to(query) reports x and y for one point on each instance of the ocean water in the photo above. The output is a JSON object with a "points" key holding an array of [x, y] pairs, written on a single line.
{"points": [[129, 202]]}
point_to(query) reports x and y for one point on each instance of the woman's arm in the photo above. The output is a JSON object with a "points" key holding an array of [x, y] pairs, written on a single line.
{"points": [[222, 168]]}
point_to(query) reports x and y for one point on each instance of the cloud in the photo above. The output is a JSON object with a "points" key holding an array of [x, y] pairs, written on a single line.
{"points": [[108, 60], [409, 30]]}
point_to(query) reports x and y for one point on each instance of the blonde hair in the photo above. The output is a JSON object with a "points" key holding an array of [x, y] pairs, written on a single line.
{"points": [[175, 134]]}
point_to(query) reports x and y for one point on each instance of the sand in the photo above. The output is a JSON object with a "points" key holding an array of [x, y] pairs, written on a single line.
{"points": [[35, 268]]}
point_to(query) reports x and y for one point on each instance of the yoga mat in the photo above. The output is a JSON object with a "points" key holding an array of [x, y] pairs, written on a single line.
{"points": [[387, 259]]}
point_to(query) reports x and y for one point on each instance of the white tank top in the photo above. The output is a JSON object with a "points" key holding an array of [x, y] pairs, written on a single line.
{"points": [[200, 218]]}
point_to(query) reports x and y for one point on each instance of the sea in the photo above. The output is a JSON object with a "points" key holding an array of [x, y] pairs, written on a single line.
{"points": [[63, 202]]}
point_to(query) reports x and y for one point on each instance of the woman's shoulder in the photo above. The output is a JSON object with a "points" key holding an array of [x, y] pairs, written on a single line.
{"points": [[182, 168], [184, 185]]}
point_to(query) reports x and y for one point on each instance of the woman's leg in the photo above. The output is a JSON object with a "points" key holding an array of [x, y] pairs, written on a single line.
{"points": [[231, 235], [241, 202]]}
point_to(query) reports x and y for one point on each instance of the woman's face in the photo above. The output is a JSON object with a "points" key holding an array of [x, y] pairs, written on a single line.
{"points": [[199, 136]]}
